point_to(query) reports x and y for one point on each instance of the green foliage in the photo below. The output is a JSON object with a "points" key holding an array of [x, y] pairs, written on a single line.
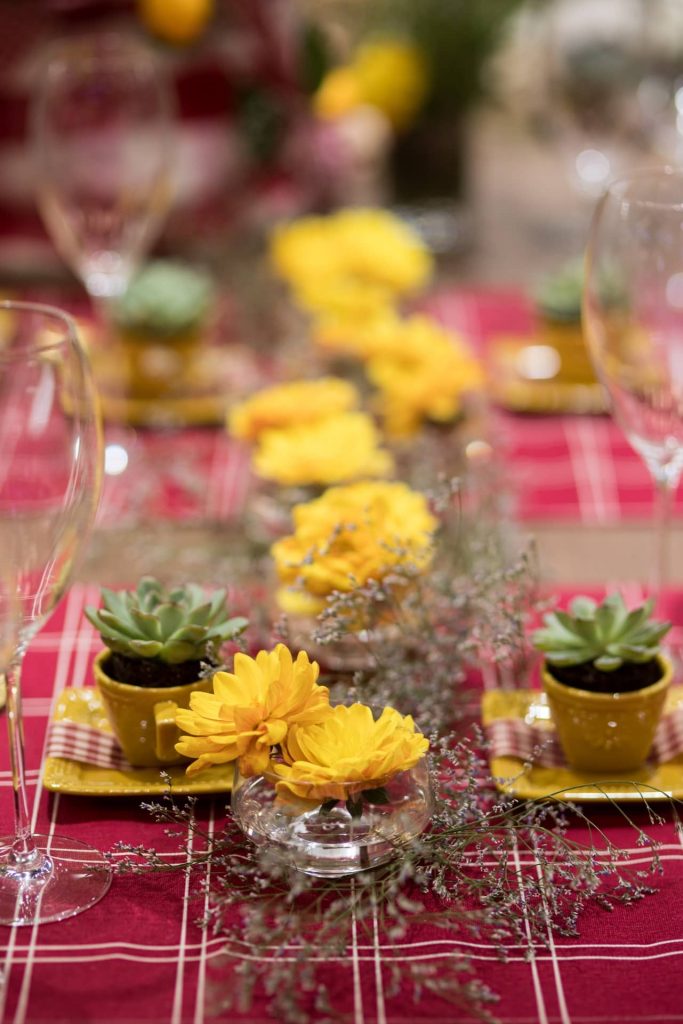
{"points": [[184, 624], [606, 634]]}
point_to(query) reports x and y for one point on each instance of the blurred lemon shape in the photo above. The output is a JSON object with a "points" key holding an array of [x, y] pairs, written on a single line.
{"points": [[176, 21], [391, 75]]}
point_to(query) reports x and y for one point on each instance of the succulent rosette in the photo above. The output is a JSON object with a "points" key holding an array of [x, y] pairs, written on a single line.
{"points": [[291, 404], [333, 450], [251, 709], [350, 535], [347, 753]]}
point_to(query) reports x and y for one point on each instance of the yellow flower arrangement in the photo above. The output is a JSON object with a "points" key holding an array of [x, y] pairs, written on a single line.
{"points": [[344, 298], [346, 753], [290, 404], [375, 333], [329, 451], [388, 74], [251, 709], [368, 245], [423, 377], [349, 535]]}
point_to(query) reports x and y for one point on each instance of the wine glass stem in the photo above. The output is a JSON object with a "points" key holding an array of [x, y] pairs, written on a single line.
{"points": [[664, 501], [24, 850]]}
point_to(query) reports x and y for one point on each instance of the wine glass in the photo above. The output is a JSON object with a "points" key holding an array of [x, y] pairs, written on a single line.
{"points": [[633, 316], [50, 478], [101, 128]]}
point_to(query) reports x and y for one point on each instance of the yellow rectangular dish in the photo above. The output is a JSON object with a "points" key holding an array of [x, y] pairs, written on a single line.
{"points": [[536, 782], [61, 775]]}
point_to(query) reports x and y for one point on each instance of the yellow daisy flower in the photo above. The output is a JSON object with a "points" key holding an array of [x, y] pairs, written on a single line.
{"points": [[349, 535], [423, 377], [372, 246], [251, 709], [330, 451], [346, 753], [289, 404]]}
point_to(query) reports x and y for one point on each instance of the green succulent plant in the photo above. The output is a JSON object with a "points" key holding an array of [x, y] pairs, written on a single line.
{"points": [[183, 624], [605, 634], [165, 298]]}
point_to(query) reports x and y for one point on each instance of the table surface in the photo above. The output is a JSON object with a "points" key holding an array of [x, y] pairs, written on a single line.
{"points": [[139, 954]]}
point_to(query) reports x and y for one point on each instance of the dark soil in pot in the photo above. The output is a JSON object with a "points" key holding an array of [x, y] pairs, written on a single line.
{"points": [[150, 673], [625, 679]]}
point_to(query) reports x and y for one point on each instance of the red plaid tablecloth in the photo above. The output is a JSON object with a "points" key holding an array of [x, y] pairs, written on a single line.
{"points": [[138, 956], [564, 467]]}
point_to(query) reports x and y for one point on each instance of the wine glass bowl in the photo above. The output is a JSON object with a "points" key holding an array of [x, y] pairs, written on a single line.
{"points": [[101, 129], [633, 318], [50, 481]]}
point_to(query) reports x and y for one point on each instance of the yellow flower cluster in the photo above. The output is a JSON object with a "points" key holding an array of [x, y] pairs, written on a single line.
{"points": [[291, 404], [347, 752], [422, 375], [333, 450], [374, 333], [350, 260], [348, 536], [388, 74], [273, 702], [251, 709]]}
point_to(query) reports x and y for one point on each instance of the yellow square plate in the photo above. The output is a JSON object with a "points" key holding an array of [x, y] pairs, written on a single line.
{"points": [[534, 782], [515, 391], [64, 776]]}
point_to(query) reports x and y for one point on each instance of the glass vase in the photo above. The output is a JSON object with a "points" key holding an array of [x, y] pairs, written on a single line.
{"points": [[359, 826]]}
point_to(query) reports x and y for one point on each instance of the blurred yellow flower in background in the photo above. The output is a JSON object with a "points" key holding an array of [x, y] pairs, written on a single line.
{"points": [[363, 337], [344, 298], [423, 377], [333, 450], [176, 21], [391, 75], [251, 709], [346, 753], [368, 245], [338, 94], [291, 404], [349, 535]]}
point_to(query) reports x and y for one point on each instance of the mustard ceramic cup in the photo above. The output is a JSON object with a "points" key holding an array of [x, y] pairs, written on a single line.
{"points": [[607, 732], [143, 717]]}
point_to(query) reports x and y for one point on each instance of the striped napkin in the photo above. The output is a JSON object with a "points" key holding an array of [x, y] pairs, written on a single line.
{"points": [[513, 737], [76, 742]]}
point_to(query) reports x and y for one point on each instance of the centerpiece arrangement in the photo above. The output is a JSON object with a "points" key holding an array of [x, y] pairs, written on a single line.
{"points": [[352, 806], [337, 789]]}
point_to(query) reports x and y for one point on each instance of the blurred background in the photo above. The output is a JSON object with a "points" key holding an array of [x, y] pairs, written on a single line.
{"points": [[492, 125]]}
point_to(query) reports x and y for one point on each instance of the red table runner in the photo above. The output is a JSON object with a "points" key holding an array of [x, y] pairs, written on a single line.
{"points": [[138, 956]]}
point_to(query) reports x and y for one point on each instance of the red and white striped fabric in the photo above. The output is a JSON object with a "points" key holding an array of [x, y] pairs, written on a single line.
{"points": [[513, 737], [77, 742]]}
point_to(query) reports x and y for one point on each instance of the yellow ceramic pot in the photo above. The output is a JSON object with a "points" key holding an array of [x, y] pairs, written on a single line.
{"points": [[568, 341], [606, 732], [157, 366], [143, 717]]}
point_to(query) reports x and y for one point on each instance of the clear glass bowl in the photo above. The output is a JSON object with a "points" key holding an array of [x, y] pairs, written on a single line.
{"points": [[366, 827]]}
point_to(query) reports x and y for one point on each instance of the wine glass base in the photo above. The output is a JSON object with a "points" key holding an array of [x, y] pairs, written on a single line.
{"points": [[73, 878]]}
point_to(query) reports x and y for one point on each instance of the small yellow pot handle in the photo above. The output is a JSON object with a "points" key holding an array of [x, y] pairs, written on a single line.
{"points": [[167, 732]]}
